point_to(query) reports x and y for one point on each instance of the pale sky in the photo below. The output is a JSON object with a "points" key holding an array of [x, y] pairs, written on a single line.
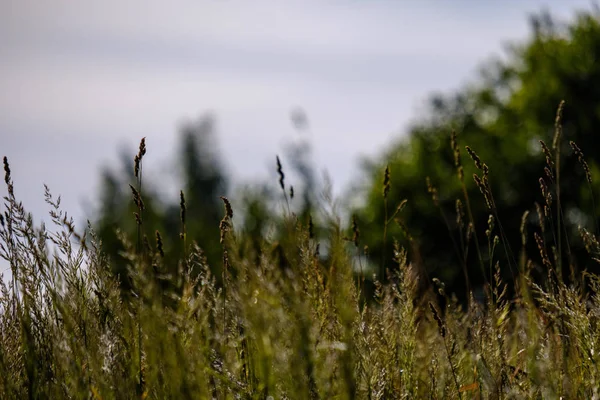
{"points": [[79, 79]]}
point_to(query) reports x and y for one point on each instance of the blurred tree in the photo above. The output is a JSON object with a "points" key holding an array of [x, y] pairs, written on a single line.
{"points": [[502, 118], [203, 180]]}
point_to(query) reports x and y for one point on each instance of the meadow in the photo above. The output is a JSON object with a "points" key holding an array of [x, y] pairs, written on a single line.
{"points": [[294, 321]]}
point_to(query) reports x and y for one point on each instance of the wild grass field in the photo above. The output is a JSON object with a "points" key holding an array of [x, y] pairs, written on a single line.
{"points": [[293, 320]]}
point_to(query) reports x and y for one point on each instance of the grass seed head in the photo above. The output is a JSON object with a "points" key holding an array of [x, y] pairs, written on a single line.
{"points": [[401, 206], [137, 199], [6, 170], [475, 158], [432, 190], [542, 250], [577, 151], [386, 181], [548, 154], [138, 157], [545, 192], [355, 231], [549, 174], [482, 185], [223, 229], [455, 149], [542, 220], [228, 209], [558, 125], [159, 244], [460, 214], [7, 178], [461, 173], [281, 174], [523, 228], [225, 225], [490, 229], [182, 206]]}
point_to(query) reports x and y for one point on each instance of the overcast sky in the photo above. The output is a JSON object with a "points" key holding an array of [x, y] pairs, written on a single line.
{"points": [[79, 79]]}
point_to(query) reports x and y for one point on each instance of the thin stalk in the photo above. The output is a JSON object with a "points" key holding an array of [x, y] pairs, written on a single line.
{"points": [[556, 148], [140, 252], [385, 225], [386, 190]]}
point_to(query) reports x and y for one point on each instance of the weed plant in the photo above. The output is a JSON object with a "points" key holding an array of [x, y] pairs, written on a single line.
{"points": [[291, 319]]}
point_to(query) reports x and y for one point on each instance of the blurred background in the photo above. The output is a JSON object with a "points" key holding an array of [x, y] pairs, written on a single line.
{"points": [[219, 88], [81, 81]]}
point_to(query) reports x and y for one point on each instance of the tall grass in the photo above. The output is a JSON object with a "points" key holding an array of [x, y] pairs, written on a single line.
{"points": [[290, 322]]}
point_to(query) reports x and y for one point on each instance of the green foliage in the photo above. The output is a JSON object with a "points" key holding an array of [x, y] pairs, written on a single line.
{"points": [[283, 322], [502, 118]]}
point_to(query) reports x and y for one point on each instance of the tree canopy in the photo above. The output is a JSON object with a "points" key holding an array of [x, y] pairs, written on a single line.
{"points": [[502, 118]]}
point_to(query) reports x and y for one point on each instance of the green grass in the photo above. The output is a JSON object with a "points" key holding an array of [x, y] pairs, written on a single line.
{"points": [[287, 322]]}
